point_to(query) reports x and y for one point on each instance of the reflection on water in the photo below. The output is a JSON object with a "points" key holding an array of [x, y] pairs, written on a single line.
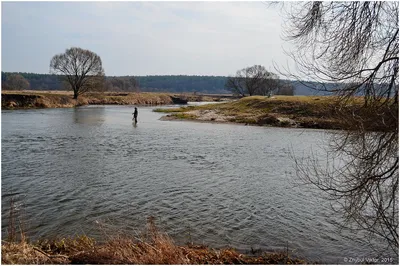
{"points": [[89, 116], [215, 184]]}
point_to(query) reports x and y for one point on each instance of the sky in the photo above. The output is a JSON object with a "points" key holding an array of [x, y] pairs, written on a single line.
{"points": [[144, 38]]}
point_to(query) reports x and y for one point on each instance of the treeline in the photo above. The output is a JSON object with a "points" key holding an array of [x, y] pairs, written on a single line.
{"points": [[171, 83], [182, 83], [167, 83], [35, 81]]}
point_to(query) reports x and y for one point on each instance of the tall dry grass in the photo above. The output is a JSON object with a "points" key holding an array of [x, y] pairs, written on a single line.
{"points": [[151, 247], [42, 99], [281, 111]]}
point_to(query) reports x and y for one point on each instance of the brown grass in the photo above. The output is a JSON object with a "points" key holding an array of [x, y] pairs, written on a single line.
{"points": [[59, 99], [24, 253], [282, 111], [55, 99], [152, 247]]}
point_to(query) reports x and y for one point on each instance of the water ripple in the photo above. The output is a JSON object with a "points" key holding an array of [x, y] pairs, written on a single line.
{"points": [[78, 170]]}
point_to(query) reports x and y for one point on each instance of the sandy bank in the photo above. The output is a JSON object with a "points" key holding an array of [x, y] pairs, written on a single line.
{"points": [[280, 111]]}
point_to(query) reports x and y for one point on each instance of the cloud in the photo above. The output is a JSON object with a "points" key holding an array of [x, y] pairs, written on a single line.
{"points": [[138, 38]]}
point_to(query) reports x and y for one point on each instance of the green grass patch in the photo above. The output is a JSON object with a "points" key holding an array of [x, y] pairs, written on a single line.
{"points": [[175, 110], [184, 116], [168, 110]]}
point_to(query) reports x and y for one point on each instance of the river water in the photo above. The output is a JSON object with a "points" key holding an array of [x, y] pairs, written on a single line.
{"points": [[83, 170]]}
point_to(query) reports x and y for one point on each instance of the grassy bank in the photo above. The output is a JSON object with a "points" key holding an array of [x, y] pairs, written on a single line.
{"points": [[60, 99], [152, 247], [63, 99], [282, 111]]}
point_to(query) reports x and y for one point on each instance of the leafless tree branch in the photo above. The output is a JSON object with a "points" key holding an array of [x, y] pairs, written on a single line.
{"points": [[81, 68], [356, 46]]}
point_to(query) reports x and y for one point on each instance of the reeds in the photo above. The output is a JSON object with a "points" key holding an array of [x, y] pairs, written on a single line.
{"points": [[41, 99], [151, 247]]}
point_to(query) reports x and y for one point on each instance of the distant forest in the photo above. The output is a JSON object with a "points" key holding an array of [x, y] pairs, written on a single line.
{"points": [[170, 83]]}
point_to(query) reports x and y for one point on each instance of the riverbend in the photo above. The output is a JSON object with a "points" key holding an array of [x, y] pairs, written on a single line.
{"points": [[80, 171]]}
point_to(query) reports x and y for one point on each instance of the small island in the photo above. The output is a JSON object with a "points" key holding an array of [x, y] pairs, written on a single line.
{"points": [[279, 111]]}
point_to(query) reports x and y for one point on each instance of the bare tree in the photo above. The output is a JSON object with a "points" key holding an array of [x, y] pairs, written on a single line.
{"points": [[82, 69], [123, 84], [355, 45], [16, 82], [236, 85], [285, 89], [133, 84], [254, 80]]}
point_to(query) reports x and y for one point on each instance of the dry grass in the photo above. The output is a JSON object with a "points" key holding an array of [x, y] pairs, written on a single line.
{"points": [[174, 110], [282, 111], [152, 247], [127, 98], [23, 253], [57, 99]]}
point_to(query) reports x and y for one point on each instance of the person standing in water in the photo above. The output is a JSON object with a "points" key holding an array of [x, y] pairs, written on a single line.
{"points": [[135, 114]]}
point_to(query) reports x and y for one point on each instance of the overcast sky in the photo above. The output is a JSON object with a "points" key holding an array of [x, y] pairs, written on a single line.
{"points": [[144, 38]]}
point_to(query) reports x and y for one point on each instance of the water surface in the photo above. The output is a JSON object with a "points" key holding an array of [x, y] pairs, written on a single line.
{"points": [[75, 171]]}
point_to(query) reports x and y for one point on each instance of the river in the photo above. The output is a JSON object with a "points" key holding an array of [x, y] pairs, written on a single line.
{"points": [[89, 169]]}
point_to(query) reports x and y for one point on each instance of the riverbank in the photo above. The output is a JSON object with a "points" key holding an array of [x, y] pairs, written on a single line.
{"points": [[281, 111], [64, 99], [152, 247]]}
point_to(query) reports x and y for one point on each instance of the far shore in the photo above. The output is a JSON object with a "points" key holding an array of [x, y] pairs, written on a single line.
{"points": [[318, 112], [29, 99]]}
